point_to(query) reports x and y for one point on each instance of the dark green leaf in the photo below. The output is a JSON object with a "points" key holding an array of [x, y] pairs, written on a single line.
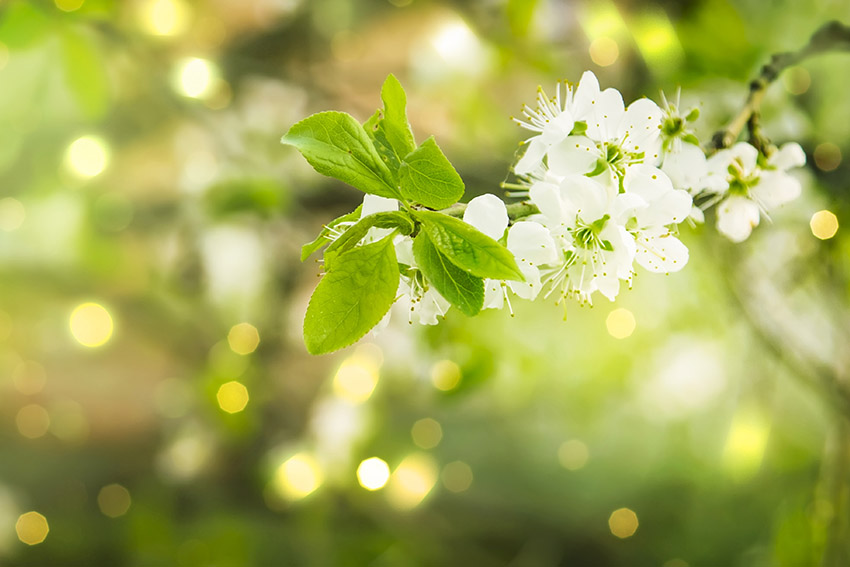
{"points": [[468, 248], [427, 177], [324, 235], [336, 145], [461, 289], [352, 297]]}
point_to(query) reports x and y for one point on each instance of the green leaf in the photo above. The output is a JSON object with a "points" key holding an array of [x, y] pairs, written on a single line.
{"points": [[469, 249], [324, 235], [427, 177], [23, 25], [395, 124], [461, 289], [350, 238], [336, 145], [352, 298]]}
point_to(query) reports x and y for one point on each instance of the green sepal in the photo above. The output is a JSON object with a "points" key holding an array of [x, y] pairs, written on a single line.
{"points": [[461, 289], [352, 297], [468, 248]]}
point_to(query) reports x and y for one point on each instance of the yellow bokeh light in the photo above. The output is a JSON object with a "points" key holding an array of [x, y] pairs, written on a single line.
{"points": [[745, 444], [824, 224], [602, 18], [32, 528], [457, 476], [232, 396], [114, 500], [827, 156], [69, 5], [356, 378], [91, 324], [427, 433], [32, 421], [373, 473], [412, 481], [164, 17], [445, 375], [573, 454], [657, 41], [604, 51], [243, 338], [29, 377], [196, 77], [620, 323], [12, 214], [298, 477], [87, 156], [623, 523]]}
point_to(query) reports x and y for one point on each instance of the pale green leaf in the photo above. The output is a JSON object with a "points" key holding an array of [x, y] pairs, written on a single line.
{"points": [[352, 297], [325, 235], [461, 289], [336, 145], [427, 177]]}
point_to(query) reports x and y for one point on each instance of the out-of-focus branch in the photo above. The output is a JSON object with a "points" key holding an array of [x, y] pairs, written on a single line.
{"points": [[832, 36]]}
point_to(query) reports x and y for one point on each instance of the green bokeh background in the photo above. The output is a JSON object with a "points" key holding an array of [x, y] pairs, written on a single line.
{"points": [[721, 421]]}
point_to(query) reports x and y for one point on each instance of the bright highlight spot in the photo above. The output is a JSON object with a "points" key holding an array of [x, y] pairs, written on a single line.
{"points": [[87, 156], [573, 454], [412, 481], [196, 77], [373, 473], [243, 338], [32, 421], [114, 500], [657, 40], [457, 476], [68, 5], [827, 156], [91, 324], [358, 375], [621, 323], [12, 214], [427, 433], [824, 224], [298, 477], [623, 523], [232, 397], [745, 444], [164, 17], [604, 51], [32, 528], [445, 375]]}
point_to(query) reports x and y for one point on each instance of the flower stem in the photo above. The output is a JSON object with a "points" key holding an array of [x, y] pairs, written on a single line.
{"points": [[516, 211], [832, 36]]}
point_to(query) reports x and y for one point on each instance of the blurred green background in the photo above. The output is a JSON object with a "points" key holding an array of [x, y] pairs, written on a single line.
{"points": [[157, 406]]}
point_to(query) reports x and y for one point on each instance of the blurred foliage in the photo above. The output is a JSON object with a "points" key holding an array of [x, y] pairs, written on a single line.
{"points": [[141, 171]]}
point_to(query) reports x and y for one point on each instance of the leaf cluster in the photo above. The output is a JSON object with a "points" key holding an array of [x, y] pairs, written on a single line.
{"points": [[381, 157]]}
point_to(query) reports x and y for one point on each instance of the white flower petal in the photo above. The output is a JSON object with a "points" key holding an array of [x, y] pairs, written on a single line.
{"points": [[647, 181], [736, 217], [696, 215], [585, 97], [494, 294], [661, 252], [641, 127], [532, 158], [575, 155], [531, 242], [587, 197], [531, 286], [375, 204], [558, 129], [775, 188], [686, 167], [488, 214], [547, 198], [747, 153], [605, 115], [788, 156]]}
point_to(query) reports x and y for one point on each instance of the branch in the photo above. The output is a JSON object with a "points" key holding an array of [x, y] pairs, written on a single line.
{"points": [[832, 36], [516, 211]]}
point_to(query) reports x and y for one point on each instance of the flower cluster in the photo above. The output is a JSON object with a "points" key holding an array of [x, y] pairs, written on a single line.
{"points": [[593, 170], [612, 183]]}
